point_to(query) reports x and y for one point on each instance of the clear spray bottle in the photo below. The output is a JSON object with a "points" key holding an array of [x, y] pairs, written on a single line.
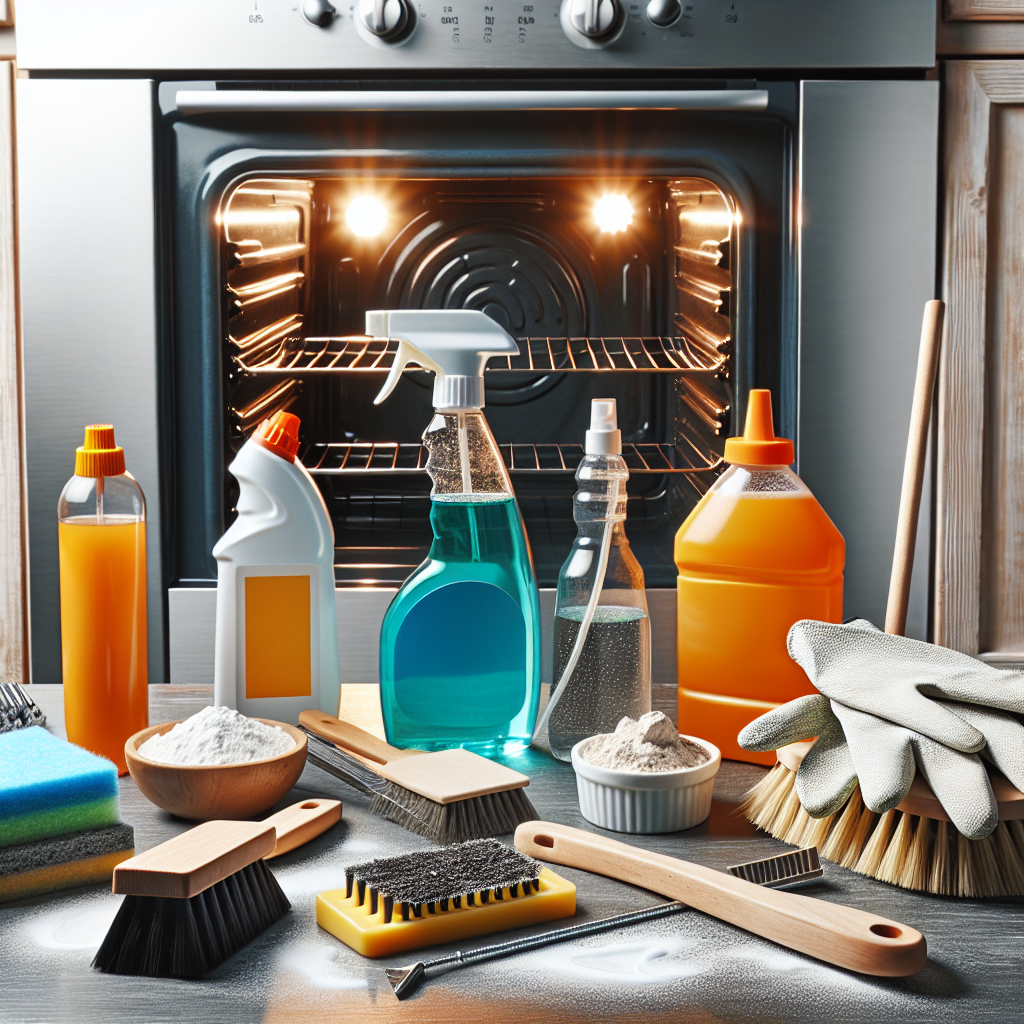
{"points": [[602, 648]]}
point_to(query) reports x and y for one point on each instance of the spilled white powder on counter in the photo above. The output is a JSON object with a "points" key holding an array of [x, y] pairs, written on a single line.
{"points": [[217, 736], [648, 744]]}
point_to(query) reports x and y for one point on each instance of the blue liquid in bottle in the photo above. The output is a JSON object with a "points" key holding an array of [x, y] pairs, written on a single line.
{"points": [[460, 643]]}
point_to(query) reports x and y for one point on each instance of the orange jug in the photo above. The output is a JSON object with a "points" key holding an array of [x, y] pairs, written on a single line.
{"points": [[757, 554]]}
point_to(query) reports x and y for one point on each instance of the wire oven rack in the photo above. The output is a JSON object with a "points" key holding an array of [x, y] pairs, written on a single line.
{"points": [[391, 457], [295, 356]]}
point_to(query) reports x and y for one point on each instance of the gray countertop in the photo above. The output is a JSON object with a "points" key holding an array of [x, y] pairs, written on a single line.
{"points": [[684, 968]]}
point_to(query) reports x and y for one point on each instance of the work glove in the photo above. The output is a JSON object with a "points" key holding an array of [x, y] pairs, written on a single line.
{"points": [[896, 678], [882, 753], [853, 746]]}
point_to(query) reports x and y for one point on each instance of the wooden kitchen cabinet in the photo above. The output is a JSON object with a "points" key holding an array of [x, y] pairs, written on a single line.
{"points": [[969, 27], [979, 579], [13, 607]]}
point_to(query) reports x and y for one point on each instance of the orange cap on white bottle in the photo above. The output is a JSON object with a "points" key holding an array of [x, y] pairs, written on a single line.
{"points": [[279, 434]]}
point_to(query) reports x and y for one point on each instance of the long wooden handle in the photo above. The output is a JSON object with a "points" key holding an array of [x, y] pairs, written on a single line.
{"points": [[839, 935], [913, 468], [301, 822], [351, 737]]}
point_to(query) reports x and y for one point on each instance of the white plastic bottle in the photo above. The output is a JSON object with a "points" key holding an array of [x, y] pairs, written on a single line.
{"points": [[277, 630]]}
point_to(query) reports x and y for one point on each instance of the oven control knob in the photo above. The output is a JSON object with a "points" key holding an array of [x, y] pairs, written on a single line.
{"points": [[318, 12], [386, 19], [592, 23], [664, 13]]}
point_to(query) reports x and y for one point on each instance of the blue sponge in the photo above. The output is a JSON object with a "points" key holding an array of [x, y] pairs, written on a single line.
{"points": [[40, 772]]}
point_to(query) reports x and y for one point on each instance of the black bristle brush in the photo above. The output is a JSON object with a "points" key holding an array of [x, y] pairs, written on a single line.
{"points": [[450, 796], [193, 901]]}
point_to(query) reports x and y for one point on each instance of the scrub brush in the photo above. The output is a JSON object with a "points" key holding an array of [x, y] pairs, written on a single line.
{"points": [[194, 901], [912, 845], [17, 709], [449, 797], [419, 899]]}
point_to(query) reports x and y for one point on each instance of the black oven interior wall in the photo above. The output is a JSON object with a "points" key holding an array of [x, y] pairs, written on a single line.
{"points": [[285, 237]]}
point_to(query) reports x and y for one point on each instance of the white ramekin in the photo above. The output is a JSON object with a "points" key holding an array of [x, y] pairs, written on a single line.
{"points": [[646, 802]]}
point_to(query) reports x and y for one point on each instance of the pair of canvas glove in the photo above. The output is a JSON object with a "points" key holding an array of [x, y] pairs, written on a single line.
{"points": [[888, 704]]}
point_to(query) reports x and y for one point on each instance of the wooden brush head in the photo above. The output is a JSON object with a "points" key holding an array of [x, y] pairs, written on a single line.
{"points": [[921, 800], [193, 861]]}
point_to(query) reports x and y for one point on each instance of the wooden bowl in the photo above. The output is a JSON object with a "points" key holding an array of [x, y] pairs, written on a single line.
{"points": [[208, 792]]}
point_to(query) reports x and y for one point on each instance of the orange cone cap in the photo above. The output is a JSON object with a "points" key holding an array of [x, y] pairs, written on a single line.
{"points": [[279, 434], [100, 455], [759, 446]]}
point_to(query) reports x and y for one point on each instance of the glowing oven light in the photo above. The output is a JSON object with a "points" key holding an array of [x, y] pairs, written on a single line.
{"points": [[366, 216], [613, 212]]}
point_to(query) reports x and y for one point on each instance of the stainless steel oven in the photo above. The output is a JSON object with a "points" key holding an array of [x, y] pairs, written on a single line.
{"points": [[213, 193]]}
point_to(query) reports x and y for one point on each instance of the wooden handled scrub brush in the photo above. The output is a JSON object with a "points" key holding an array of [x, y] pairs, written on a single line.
{"points": [[912, 845]]}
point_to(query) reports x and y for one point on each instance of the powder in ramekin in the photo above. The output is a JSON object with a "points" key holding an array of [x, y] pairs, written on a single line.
{"points": [[650, 744]]}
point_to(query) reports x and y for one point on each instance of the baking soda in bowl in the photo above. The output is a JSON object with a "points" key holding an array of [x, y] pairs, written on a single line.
{"points": [[217, 736], [645, 777]]}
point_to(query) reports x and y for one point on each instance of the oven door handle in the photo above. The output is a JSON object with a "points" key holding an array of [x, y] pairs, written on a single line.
{"points": [[191, 102]]}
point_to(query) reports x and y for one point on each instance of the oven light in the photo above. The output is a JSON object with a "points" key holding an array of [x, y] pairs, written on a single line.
{"points": [[366, 216], [613, 212]]}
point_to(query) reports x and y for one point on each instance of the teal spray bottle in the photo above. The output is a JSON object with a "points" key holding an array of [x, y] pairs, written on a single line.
{"points": [[460, 643]]}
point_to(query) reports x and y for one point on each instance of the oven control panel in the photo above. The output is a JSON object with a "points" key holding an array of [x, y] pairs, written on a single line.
{"points": [[511, 35]]}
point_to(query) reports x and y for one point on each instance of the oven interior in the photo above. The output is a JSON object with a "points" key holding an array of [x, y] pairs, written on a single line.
{"points": [[613, 287]]}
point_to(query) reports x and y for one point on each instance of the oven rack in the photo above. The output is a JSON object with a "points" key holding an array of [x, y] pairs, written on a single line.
{"points": [[394, 457], [295, 356]]}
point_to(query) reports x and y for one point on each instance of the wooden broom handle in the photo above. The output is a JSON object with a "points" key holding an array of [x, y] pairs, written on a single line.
{"points": [[837, 934], [913, 469], [351, 737]]}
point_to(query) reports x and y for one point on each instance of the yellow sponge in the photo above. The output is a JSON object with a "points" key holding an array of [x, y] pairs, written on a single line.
{"points": [[367, 933]]}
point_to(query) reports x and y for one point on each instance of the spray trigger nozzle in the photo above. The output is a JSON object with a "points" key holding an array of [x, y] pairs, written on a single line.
{"points": [[454, 343]]}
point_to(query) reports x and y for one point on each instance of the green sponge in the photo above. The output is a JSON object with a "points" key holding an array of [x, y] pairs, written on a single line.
{"points": [[49, 786], [80, 858]]}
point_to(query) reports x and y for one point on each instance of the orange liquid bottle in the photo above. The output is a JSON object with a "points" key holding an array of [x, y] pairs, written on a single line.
{"points": [[757, 554], [102, 538]]}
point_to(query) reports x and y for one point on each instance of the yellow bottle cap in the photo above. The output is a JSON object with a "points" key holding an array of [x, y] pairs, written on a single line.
{"points": [[759, 446], [99, 456]]}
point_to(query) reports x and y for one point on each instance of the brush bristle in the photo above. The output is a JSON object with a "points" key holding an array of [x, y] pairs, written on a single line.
{"points": [[438, 880], [17, 709], [479, 817], [161, 937], [923, 854]]}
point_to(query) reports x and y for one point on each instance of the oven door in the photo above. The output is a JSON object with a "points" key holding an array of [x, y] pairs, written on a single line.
{"points": [[150, 310]]}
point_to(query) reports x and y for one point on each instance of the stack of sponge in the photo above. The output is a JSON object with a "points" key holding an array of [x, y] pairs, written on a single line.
{"points": [[60, 821]]}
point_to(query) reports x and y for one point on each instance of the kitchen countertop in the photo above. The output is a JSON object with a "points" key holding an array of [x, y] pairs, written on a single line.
{"points": [[688, 967]]}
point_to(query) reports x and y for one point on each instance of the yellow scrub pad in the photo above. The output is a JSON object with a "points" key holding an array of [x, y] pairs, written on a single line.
{"points": [[422, 899], [61, 862], [61, 876]]}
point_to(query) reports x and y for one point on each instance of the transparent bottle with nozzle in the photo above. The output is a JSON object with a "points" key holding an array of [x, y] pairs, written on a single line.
{"points": [[460, 642], [602, 642]]}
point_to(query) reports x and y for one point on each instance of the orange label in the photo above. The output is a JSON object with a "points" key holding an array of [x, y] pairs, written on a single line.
{"points": [[278, 659]]}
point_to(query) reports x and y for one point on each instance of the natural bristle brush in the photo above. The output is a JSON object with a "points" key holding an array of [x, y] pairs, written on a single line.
{"points": [[450, 796], [421, 899], [783, 869], [913, 846], [197, 899]]}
